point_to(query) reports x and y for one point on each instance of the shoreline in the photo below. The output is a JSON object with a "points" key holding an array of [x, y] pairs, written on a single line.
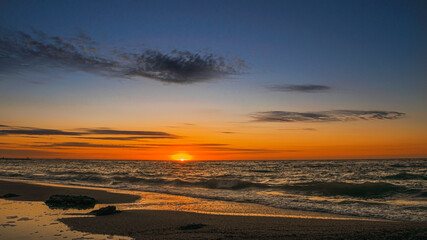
{"points": [[164, 223], [141, 200], [40, 191]]}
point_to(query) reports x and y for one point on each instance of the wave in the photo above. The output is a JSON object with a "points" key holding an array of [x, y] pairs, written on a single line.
{"points": [[423, 194], [232, 184], [132, 179], [84, 178], [347, 202], [361, 190], [70, 172], [399, 165], [406, 176], [261, 171], [367, 189], [11, 175]]}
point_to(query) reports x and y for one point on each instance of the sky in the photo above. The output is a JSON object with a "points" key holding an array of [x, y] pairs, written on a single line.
{"points": [[213, 80]]}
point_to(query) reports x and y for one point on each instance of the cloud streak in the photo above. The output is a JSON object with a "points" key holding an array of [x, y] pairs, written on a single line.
{"points": [[6, 130], [325, 116], [127, 132], [10, 130], [21, 51], [88, 145], [299, 129], [114, 134], [214, 147], [126, 138], [206, 147], [307, 88]]}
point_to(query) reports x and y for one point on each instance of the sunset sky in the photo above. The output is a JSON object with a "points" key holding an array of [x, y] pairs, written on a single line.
{"points": [[213, 80]]}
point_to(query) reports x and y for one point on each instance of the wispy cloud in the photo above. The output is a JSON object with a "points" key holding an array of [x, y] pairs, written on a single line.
{"points": [[11, 130], [127, 132], [22, 50], [214, 147], [325, 116], [26, 153], [88, 145], [187, 145], [126, 138], [114, 134], [6, 130], [233, 149], [205, 147], [307, 88], [299, 129]]}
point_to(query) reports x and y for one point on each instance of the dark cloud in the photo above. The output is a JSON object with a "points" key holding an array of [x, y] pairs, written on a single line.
{"points": [[308, 88], [209, 147], [325, 116], [22, 51], [7, 130], [232, 149], [127, 138], [23, 153], [299, 129], [188, 145], [184, 66], [86, 145], [10, 130], [214, 147], [228, 132], [126, 132]]}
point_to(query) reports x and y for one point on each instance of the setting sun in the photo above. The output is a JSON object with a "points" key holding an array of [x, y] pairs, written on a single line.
{"points": [[181, 157]]}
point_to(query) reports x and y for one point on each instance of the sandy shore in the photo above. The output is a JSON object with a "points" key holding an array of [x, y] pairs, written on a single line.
{"points": [[146, 224], [158, 224]]}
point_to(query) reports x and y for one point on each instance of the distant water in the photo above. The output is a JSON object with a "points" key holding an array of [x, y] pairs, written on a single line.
{"points": [[388, 189]]}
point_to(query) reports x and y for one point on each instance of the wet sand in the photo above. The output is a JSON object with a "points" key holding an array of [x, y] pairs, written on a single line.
{"points": [[166, 224]]}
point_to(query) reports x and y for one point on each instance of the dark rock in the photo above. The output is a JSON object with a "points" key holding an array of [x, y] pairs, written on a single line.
{"points": [[192, 226], [67, 202], [105, 211], [9, 195]]}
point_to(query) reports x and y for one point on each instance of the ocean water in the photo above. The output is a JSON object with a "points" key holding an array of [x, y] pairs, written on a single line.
{"points": [[386, 189]]}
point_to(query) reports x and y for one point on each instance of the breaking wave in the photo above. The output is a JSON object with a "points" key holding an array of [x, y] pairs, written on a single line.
{"points": [[362, 190], [406, 176], [367, 189]]}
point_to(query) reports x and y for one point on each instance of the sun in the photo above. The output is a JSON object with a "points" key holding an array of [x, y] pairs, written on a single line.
{"points": [[182, 157]]}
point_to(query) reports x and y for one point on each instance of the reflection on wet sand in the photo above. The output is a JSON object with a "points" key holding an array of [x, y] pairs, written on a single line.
{"points": [[34, 220]]}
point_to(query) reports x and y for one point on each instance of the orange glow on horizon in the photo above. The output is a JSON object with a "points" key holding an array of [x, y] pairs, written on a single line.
{"points": [[182, 157]]}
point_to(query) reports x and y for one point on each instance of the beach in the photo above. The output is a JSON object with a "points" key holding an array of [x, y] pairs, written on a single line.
{"points": [[191, 119], [173, 224]]}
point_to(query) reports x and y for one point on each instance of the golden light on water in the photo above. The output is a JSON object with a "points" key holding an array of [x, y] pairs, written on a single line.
{"points": [[182, 157]]}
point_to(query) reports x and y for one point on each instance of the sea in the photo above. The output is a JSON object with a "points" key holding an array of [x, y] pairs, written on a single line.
{"points": [[394, 189]]}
